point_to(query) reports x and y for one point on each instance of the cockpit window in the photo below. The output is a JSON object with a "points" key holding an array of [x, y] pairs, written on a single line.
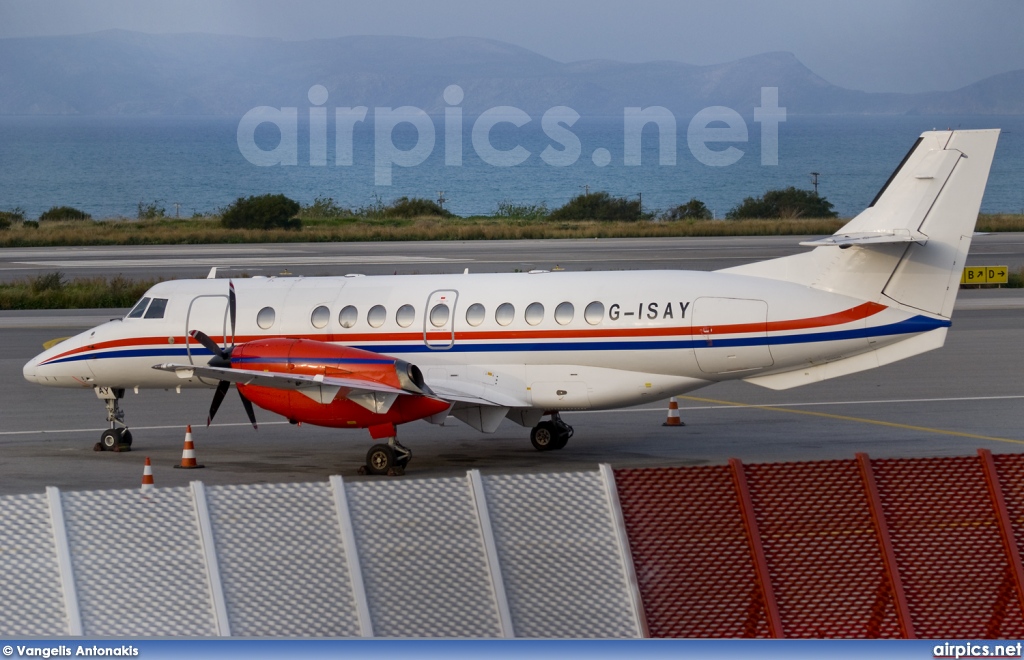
{"points": [[156, 308], [139, 309]]}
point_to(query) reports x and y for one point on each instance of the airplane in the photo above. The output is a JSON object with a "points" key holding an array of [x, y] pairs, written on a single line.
{"points": [[377, 352]]}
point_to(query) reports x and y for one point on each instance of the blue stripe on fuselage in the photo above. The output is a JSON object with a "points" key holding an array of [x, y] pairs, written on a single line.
{"points": [[127, 353], [914, 325]]}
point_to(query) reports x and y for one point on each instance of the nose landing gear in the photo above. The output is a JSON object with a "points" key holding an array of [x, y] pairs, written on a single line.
{"points": [[117, 437]]}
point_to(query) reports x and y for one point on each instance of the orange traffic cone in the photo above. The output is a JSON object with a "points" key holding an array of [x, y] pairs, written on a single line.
{"points": [[188, 454], [147, 477], [673, 414]]}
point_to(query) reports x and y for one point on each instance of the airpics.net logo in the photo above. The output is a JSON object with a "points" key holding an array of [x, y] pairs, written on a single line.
{"points": [[711, 135]]}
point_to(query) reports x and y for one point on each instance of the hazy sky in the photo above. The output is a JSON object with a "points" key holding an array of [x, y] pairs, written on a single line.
{"points": [[874, 45]]}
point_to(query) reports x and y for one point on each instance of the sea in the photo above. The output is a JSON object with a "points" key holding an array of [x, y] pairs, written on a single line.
{"points": [[109, 166]]}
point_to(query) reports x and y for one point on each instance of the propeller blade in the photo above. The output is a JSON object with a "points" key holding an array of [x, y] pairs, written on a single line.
{"points": [[218, 397], [232, 309], [210, 345], [248, 409]]}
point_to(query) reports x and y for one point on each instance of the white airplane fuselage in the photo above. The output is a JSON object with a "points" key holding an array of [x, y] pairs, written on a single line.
{"points": [[651, 334]]}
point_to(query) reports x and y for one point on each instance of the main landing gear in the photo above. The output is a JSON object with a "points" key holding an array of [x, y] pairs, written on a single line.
{"points": [[389, 459], [392, 458], [117, 437], [551, 435]]}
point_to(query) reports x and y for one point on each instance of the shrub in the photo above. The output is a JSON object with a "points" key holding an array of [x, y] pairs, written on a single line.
{"points": [[692, 210], [508, 209], [64, 213], [787, 203], [262, 212], [375, 210], [31, 224], [7, 218], [48, 282], [598, 206], [324, 208], [151, 211], [405, 207], [1015, 280]]}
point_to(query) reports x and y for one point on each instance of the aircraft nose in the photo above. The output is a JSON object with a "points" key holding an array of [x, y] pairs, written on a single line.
{"points": [[29, 370]]}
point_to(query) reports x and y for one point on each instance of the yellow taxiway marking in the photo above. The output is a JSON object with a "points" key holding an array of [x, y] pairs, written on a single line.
{"points": [[847, 418]]}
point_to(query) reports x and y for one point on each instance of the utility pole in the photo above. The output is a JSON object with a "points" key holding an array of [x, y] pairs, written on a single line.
{"points": [[440, 199], [177, 207], [815, 182]]}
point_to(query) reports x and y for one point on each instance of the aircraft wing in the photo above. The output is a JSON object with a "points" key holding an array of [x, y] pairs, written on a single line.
{"points": [[480, 406], [375, 397], [475, 394]]}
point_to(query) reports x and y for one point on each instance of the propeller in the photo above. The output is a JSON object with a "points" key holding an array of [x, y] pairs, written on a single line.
{"points": [[222, 359]]}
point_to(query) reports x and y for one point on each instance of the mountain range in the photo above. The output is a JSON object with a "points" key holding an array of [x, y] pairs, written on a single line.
{"points": [[128, 73]]}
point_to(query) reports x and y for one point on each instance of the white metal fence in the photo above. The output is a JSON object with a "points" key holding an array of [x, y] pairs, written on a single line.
{"points": [[533, 555]]}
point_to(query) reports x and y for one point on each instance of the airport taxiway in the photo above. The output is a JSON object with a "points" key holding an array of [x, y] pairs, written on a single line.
{"points": [[386, 258], [966, 395]]}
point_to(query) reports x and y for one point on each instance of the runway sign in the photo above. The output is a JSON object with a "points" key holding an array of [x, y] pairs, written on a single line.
{"points": [[985, 275]]}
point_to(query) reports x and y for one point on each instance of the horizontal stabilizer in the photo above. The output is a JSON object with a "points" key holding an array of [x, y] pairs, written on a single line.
{"points": [[869, 238]]}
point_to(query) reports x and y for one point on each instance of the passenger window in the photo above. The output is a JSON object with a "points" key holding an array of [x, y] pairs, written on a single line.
{"points": [[139, 308], [405, 316], [266, 317], [376, 316], [439, 315], [564, 313], [535, 313], [475, 314], [594, 313], [348, 316], [156, 308], [321, 317], [505, 314]]}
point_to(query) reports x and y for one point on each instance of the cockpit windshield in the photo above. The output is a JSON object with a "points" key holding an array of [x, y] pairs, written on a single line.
{"points": [[139, 309], [156, 308], [148, 308]]}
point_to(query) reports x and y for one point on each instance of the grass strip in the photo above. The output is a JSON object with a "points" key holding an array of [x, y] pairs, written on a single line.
{"points": [[208, 230], [54, 291]]}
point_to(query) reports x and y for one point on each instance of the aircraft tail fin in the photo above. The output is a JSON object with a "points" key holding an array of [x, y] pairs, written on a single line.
{"points": [[909, 246]]}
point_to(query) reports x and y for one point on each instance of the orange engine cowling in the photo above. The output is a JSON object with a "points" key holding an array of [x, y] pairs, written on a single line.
{"points": [[311, 358]]}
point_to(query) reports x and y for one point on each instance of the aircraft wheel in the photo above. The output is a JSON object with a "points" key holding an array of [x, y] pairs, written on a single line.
{"points": [[544, 437], [380, 459], [561, 439], [126, 438], [110, 439]]}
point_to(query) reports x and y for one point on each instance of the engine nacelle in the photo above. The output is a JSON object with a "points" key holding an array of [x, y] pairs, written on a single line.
{"points": [[342, 413], [312, 358]]}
